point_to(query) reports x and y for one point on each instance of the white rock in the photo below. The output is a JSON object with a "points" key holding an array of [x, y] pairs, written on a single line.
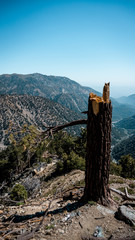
{"points": [[104, 210], [61, 231]]}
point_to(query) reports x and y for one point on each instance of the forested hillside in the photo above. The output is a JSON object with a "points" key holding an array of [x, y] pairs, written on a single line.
{"points": [[15, 111], [125, 147], [127, 123], [60, 89]]}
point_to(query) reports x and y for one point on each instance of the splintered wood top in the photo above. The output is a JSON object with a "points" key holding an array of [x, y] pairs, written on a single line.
{"points": [[96, 98]]}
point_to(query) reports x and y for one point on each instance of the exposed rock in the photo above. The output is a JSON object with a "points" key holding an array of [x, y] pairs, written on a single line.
{"points": [[66, 219], [105, 210], [32, 184], [60, 231], [126, 214], [98, 232]]}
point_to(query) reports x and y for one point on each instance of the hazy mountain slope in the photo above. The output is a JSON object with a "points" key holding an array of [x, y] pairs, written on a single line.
{"points": [[127, 100], [31, 110], [77, 103], [127, 123], [60, 89], [118, 134], [40, 85], [125, 147], [121, 111]]}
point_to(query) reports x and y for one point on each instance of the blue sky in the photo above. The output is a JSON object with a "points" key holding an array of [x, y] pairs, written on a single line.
{"points": [[89, 41]]}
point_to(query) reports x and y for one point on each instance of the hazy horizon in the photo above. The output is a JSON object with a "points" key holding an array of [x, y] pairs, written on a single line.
{"points": [[89, 41]]}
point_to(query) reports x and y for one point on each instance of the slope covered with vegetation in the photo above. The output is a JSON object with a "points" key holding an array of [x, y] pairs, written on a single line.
{"points": [[16, 111], [127, 123], [128, 100], [35, 148], [125, 147], [32, 148], [60, 89]]}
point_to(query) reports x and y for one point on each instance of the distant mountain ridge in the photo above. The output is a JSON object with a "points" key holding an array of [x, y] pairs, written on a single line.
{"points": [[40, 85], [127, 123], [59, 89], [125, 147], [127, 100]]}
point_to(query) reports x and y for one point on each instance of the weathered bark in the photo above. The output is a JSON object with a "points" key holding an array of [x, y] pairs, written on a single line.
{"points": [[98, 150]]}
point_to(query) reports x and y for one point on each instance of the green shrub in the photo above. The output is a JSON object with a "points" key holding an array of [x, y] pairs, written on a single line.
{"points": [[70, 162], [92, 203], [128, 166], [120, 181], [116, 180], [115, 169], [116, 198], [48, 160], [60, 167], [81, 183], [49, 226], [132, 185], [18, 193], [130, 191]]}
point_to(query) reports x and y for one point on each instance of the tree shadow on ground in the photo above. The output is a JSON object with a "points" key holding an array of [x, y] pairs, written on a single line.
{"points": [[69, 208]]}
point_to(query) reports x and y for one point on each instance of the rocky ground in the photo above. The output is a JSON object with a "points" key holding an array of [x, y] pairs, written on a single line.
{"points": [[54, 211]]}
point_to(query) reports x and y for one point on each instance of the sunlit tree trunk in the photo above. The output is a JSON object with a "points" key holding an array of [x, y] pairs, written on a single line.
{"points": [[98, 149]]}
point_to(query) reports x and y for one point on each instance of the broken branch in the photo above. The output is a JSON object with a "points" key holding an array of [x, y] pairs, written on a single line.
{"points": [[125, 195], [60, 127]]}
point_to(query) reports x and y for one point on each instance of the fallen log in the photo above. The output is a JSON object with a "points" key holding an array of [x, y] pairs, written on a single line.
{"points": [[125, 195]]}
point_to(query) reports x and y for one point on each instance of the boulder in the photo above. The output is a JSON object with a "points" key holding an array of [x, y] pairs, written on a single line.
{"points": [[126, 214]]}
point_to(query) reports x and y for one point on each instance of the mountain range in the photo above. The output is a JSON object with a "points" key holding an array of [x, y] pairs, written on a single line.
{"points": [[127, 100], [127, 123], [125, 147], [49, 100], [59, 89]]}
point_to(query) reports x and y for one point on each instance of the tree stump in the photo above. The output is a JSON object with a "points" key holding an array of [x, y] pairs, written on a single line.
{"points": [[98, 148]]}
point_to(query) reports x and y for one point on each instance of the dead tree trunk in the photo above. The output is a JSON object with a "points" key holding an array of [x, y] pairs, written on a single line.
{"points": [[98, 148]]}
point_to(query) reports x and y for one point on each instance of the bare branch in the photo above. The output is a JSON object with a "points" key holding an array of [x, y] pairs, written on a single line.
{"points": [[85, 112], [123, 195], [54, 129], [3, 185]]}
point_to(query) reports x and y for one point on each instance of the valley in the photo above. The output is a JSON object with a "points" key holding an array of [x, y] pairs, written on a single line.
{"points": [[43, 100]]}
